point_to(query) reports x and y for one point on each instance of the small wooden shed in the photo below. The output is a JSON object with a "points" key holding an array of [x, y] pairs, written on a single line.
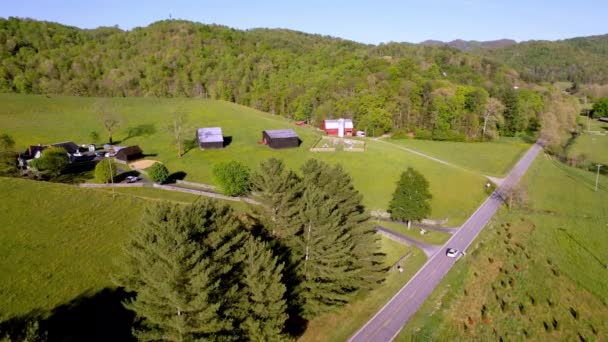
{"points": [[210, 137], [129, 153], [280, 138]]}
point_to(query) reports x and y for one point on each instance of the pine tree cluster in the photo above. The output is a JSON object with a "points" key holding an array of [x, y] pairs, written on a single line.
{"points": [[197, 273]]}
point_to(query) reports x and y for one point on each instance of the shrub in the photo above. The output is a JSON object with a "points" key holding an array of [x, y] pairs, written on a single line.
{"points": [[423, 134], [158, 172], [233, 177], [105, 170]]}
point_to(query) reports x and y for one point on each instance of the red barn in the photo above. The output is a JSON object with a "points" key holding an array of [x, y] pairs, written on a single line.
{"points": [[339, 127]]}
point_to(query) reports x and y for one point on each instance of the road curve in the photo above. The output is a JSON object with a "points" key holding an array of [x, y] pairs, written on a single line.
{"points": [[428, 249], [388, 322]]}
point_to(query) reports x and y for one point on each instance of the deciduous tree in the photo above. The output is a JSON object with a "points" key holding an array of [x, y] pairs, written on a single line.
{"points": [[233, 177], [411, 199]]}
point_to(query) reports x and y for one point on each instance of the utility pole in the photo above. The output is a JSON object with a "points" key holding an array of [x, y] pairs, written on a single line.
{"points": [[588, 115], [597, 176], [112, 178]]}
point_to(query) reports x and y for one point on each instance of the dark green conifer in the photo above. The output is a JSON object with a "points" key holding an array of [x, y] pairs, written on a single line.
{"points": [[180, 265], [261, 307], [337, 253], [278, 190], [328, 279]]}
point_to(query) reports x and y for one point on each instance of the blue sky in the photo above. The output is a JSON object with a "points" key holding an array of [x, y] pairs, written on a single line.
{"points": [[364, 21]]}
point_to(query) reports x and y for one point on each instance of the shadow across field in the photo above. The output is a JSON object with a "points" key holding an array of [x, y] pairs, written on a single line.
{"points": [[98, 316]]}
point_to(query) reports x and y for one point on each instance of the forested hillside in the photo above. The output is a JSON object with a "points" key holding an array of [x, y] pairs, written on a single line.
{"points": [[434, 92], [583, 59]]}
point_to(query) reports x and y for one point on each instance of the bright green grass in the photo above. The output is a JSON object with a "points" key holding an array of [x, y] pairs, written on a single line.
{"points": [[594, 147], [548, 259], [38, 119], [432, 237], [342, 324], [393, 251], [58, 241], [489, 158]]}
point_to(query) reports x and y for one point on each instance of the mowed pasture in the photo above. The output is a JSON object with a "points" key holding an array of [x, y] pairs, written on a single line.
{"points": [[536, 272], [39, 119], [494, 158], [58, 241]]}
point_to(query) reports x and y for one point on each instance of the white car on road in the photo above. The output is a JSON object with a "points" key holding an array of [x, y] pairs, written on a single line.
{"points": [[451, 252]]}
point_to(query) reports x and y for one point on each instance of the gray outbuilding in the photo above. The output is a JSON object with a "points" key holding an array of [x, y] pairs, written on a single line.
{"points": [[210, 137]]}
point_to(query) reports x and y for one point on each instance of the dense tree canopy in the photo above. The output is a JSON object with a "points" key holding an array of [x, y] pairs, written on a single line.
{"points": [[198, 275], [438, 91]]}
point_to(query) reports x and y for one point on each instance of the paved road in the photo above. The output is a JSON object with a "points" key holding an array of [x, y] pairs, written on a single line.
{"points": [[389, 321], [449, 230], [428, 249]]}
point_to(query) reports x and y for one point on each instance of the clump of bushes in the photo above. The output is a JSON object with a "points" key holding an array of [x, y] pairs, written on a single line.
{"points": [[52, 162], [158, 172], [233, 177]]}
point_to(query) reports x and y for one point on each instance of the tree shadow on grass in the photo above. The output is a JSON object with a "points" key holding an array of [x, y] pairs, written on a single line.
{"points": [[92, 316], [189, 145], [175, 176], [139, 131]]}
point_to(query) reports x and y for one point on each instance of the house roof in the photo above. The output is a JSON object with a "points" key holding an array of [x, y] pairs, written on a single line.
{"points": [[129, 151], [210, 134], [333, 124], [32, 150], [69, 146], [281, 133]]}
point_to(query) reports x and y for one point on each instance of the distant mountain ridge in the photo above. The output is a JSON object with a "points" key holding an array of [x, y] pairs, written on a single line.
{"points": [[580, 59], [468, 45]]}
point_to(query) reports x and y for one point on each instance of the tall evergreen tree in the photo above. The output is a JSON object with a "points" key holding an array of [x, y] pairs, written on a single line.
{"points": [[277, 189], [411, 199], [261, 307], [337, 185], [180, 264], [337, 255], [328, 279]]}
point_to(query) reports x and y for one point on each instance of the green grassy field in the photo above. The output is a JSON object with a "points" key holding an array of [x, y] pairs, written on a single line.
{"points": [[594, 148], [342, 324], [57, 242], [490, 158], [538, 272], [37, 119]]}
